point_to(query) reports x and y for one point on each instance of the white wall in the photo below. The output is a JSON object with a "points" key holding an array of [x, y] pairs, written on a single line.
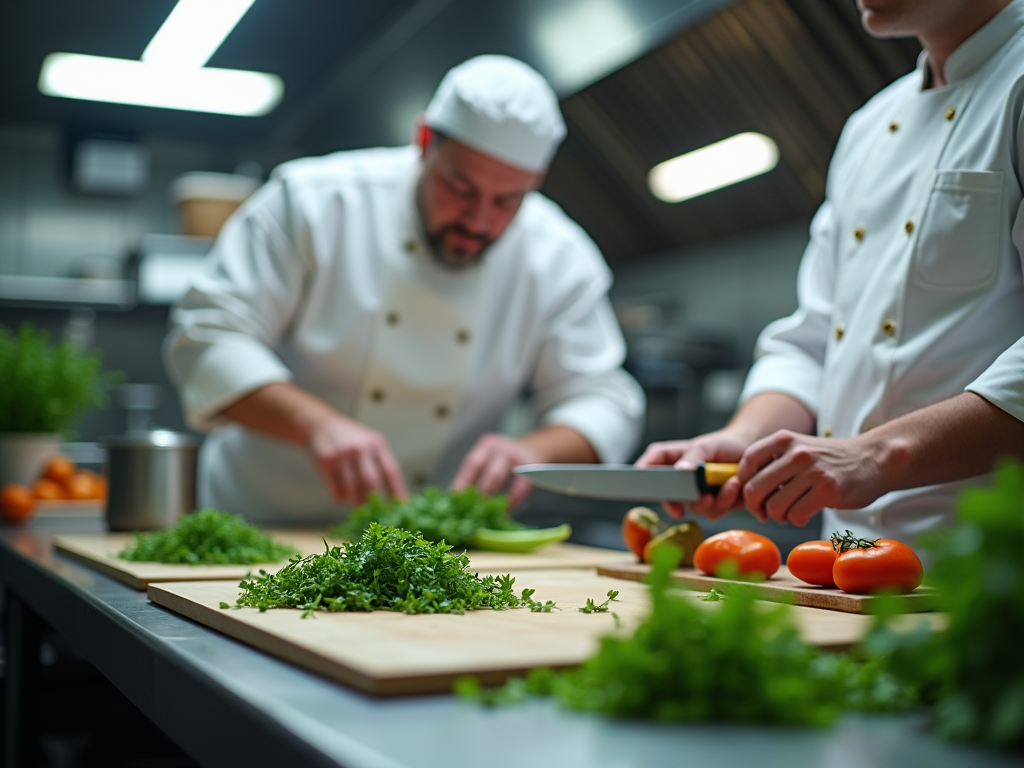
{"points": [[46, 228]]}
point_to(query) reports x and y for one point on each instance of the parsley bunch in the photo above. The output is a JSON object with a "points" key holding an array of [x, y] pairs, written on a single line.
{"points": [[207, 538], [453, 517], [389, 569], [739, 663]]}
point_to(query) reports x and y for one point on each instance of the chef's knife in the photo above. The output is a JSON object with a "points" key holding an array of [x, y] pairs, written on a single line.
{"points": [[626, 482]]}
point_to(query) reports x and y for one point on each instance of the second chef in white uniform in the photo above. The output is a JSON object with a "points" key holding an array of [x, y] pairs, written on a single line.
{"points": [[368, 316], [901, 375]]}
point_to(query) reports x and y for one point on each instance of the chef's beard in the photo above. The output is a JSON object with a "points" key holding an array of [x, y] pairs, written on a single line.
{"points": [[457, 258]]}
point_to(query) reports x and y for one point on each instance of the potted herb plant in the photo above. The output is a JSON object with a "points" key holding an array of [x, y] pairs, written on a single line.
{"points": [[44, 390]]}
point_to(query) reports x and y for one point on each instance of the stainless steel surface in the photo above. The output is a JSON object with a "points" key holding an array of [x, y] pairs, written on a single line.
{"points": [[152, 479], [614, 481], [229, 705]]}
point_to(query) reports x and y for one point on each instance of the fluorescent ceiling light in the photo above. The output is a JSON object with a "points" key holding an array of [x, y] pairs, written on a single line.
{"points": [[584, 40], [126, 81], [193, 31], [171, 74], [717, 165]]}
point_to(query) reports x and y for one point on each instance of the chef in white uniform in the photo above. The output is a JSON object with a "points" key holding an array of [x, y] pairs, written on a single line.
{"points": [[368, 316], [901, 374]]}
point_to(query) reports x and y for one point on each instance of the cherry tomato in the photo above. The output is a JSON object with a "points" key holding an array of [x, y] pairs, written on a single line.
{"points": [[812, 562], [751, 552], [887, 566], [638, 527], [16, 502]]}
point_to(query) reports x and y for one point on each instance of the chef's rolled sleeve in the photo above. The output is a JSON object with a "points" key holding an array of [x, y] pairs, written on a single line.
{"points": [[790, 354], [579, 381], [225, 328], [223, 373]]}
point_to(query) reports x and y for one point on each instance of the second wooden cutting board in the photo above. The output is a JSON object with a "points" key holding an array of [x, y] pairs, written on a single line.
{"points": [[99, 551], [782, 587]]}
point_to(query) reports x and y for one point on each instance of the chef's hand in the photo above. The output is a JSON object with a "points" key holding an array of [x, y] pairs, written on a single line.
{"points": [[489, 466], [687, 454], [355, 460], [791, 477]]}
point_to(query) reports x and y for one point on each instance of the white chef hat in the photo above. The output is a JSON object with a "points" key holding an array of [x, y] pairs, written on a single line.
{"points": [[502, 107]]}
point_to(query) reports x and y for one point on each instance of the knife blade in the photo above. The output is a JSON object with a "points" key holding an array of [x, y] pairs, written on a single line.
{"points": [[628, 483]]}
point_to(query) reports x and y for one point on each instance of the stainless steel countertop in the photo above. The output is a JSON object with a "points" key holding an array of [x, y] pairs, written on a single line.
{"points": [[225, 703]]}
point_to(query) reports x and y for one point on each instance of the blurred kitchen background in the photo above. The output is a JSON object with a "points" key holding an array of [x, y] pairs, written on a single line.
{"points": [[91, 219]]}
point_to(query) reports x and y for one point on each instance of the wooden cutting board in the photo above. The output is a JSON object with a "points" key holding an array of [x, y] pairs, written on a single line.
{"points": [[782, 587], [387, 653], [99, 551]]}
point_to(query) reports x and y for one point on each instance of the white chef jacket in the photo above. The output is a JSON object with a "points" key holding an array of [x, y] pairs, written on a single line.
{"points": [[911, 287], [323, 279]]}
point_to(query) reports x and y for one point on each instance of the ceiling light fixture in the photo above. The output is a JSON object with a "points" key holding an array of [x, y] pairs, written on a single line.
{"points": [[171, 73], [194, 31], [717, 165]]}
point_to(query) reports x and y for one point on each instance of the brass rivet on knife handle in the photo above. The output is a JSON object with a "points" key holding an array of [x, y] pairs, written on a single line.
{"points": [[713, 474]]}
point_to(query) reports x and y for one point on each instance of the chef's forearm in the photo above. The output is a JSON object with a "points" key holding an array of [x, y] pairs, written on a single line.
{"points": [[958, 438], [767, 413], [281, 410], [559, 444]]}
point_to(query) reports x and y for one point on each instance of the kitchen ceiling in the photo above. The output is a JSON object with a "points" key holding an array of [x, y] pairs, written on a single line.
{"points": [[684, 74], [791, 69]]}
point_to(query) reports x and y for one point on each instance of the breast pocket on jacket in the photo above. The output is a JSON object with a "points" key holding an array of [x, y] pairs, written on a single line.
{"points": [[958, 246]]}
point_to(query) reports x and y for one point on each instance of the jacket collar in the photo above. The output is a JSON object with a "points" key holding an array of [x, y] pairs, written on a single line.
{"points": [[981, 46]]}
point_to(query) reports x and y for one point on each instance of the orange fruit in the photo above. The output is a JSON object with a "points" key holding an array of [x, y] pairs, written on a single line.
{"points": [[82, 485], [16, 502], [49, 490], [60, 469]]}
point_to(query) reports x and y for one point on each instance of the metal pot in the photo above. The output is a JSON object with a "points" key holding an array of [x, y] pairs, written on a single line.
{"points": [[152, 479]]}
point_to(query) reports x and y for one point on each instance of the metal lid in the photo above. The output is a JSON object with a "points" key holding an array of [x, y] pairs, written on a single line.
{"points": [[155, 438]]}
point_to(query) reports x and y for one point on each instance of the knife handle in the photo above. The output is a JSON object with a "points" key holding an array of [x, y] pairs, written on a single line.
{"points": [[711, 475]]}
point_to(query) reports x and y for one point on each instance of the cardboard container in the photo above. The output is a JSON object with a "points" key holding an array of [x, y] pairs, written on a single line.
{"points": [[207, 200]]}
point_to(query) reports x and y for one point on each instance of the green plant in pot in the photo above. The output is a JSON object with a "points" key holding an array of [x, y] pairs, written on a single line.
{"points": [[45, 388]]}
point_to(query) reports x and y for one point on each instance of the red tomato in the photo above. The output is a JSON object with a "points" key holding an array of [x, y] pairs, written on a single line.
{"points": [[638, 527], [752, 553], [812, 562], [888, 566]]}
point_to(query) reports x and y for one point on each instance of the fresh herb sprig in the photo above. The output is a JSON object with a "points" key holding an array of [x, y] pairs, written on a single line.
{"points": [[453, 516], [209, 537], [385, 569], [593, 607], [738, 664], [536, 606], [713, 596]]}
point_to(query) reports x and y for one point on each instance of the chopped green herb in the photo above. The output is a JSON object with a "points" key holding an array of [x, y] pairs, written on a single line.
{"points": [[207, 538], [713, 596], [738, 664], [534, 605], [389, 569], [593, 607], [454, 517]]}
